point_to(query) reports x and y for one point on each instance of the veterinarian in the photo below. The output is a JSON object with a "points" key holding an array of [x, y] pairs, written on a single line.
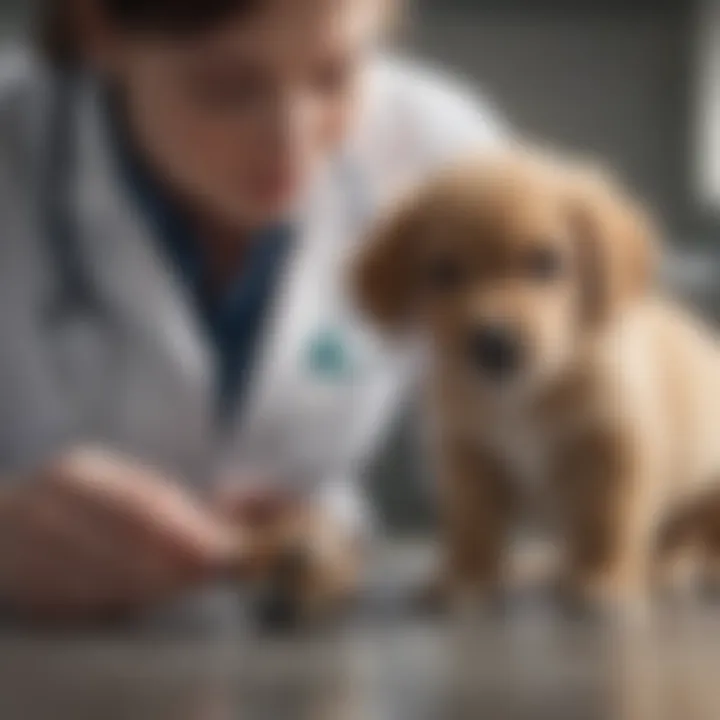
{"points": [[180, 183]]}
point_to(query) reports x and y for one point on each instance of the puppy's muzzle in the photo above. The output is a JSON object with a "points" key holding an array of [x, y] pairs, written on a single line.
{"points": [[495, 350]]}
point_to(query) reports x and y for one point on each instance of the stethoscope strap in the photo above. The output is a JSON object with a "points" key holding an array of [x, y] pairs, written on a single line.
{"points": [[73, 294]]}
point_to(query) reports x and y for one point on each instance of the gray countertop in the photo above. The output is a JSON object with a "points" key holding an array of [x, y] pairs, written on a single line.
{"points": [[384, 664]]}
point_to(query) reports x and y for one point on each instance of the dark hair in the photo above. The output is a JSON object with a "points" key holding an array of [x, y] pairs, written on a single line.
{"points": [[174, 17], [59, 31]]}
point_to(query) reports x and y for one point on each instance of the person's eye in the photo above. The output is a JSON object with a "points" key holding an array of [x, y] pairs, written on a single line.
{"points": [[444, 274], [544, 263]]}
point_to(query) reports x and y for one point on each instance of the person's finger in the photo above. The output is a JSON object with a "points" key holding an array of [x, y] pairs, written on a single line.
{"points": [[58, 586], [42, 570], [14, 537], [62, 558], [113, 565], [146, 507], [254, 505], [57, 556]]}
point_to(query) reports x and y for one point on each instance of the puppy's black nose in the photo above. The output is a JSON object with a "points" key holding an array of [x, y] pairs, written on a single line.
{"points": [[495, 349]]}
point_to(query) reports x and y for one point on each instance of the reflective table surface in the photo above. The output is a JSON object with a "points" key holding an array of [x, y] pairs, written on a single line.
{"points": [[384, 663]]}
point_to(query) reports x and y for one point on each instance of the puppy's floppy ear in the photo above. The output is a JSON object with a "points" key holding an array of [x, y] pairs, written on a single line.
{"points": [[383, 273], [617, 246]]}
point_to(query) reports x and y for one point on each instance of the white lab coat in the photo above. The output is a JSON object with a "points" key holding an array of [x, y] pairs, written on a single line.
{"points": [[139, 377]]}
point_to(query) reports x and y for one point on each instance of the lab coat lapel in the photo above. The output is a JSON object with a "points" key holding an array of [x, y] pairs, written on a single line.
{"points": [[281, 387], [168, 404]]}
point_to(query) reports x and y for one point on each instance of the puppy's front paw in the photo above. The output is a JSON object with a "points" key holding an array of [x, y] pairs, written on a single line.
{"points": [[604, 599], [479, 603], [433, 597], [461, 600]]}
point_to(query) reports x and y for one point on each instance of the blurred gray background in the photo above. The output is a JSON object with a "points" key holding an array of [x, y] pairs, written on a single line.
{"points": [[607, 76], [634, 82]]}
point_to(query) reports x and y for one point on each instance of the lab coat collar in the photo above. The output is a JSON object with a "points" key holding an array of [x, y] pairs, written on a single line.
{"points": [[165, 343]]}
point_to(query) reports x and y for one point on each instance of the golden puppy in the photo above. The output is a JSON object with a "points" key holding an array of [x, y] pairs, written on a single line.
{"points": [[558, 373]]}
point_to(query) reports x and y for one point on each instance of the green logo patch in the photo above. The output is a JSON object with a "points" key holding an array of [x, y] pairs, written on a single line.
{"points": [[329, 356]]}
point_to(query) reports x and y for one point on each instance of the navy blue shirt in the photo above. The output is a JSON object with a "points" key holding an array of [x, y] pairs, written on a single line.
{"points": [[233, 319]]}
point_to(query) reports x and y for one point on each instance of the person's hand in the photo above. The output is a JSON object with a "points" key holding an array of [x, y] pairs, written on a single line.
{"points": [[93, 535]]}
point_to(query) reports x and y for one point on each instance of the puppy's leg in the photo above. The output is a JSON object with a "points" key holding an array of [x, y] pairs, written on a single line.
{"points": [[680, 548], [477, 511], [608, 501], [692, 529]]}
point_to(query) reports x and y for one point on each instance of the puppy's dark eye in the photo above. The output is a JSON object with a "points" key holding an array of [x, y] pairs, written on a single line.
{"points": [[444, 274], [544, 263]]}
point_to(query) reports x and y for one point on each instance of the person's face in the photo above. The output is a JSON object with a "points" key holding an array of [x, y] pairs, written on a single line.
{"points": [[239, 120]]}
